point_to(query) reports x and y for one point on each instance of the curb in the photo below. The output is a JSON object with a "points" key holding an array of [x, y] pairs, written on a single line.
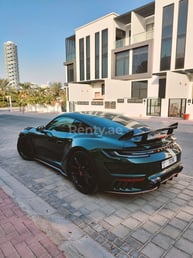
{"points": [[67, 236]]}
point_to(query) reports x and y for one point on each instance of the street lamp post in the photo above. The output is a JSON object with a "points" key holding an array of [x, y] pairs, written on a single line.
{"points": [[67, 98], [10, 102]]}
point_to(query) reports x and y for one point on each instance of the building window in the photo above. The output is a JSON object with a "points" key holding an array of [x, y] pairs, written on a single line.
{"points": [[162, 88], [70, 49], [122, 63], [97, 49], [139, 89], [82, 102], [105, 53], [120, 38], [110, 104], [81, 56], [102, 89], [97, 103], [181, 37], [167, 30], [88, 57], [120, 100], [140, 60], [70, 73]]}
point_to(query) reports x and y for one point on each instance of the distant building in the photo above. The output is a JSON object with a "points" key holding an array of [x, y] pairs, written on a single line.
{"points": [[11, 63], [139, 63]]}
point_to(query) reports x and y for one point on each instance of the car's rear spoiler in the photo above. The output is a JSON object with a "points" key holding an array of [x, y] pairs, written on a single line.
{"points": [[144, 135]]}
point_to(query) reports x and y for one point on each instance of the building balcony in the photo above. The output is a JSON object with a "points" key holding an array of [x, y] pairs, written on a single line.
{"points": [[142, 36], [136, 38]]}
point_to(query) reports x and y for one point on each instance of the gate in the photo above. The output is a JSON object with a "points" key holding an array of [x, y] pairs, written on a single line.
{"points": [[177, 107], [154, 107]]}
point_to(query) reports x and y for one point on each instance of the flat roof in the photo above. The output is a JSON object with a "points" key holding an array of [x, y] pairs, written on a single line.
{"points": [[144, 11]]}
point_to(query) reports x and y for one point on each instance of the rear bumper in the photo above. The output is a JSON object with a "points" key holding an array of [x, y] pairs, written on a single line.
{"points": [[166, 174], [132, 185]]}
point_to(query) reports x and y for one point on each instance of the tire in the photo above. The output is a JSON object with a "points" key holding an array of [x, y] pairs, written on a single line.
{"points": [[81, 171], [24, 148]]}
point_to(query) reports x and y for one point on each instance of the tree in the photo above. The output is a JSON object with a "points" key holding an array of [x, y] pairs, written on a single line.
{"points": [[24, 92], [4, 84]]}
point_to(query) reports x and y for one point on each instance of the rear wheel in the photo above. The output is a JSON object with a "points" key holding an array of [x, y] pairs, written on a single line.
{"points": [[24, 148], [81, 171]]}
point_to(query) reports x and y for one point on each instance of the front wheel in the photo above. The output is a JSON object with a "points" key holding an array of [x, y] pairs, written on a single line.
{"points": [[81, 171], [24, 148]]}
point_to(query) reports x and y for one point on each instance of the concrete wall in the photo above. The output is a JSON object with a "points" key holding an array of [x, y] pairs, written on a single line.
{"points": [[178, 85]]}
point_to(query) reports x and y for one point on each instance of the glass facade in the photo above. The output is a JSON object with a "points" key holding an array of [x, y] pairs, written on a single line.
{"points": [[88, 57], [162, 88], [166, 41], [139, 89], [97, 49], [120, 38], [181, 36], [102, 89], [122, 63], [105, 53], [140, 60], [81, 58], [70, 49], [70, 73]]}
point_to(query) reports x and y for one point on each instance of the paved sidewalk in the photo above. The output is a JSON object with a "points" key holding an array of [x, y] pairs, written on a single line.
{"points": [[69, 238], [19, 236]]}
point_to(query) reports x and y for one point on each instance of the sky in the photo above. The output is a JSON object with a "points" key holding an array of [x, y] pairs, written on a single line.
{"points": [[39, 29]]}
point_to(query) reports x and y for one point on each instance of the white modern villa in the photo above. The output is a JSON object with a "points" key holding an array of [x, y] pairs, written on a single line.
{"points": [[139, 63]]}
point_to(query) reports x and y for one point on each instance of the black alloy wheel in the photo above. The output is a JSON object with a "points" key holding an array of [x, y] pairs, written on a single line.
{"points": [[81, 171], [24, 148]]}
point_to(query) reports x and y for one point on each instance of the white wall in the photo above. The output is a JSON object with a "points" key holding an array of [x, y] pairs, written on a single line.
{"points": [[115, 89], [80, 92], [177, 85]]}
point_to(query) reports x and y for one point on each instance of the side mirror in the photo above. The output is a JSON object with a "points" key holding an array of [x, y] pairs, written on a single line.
{"points": [[40, 128]]}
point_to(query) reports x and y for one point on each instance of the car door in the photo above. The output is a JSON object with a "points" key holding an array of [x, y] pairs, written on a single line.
{"points": [[54, 140]]}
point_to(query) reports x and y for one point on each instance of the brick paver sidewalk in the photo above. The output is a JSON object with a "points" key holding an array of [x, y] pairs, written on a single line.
{"points": [[19, 236]]}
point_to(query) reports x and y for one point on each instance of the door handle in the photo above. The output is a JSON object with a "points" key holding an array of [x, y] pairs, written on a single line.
{"points": [[59, 141]]}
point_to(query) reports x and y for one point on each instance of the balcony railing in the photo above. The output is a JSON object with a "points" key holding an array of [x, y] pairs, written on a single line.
{"points": [[134, 39], [142, 36]]}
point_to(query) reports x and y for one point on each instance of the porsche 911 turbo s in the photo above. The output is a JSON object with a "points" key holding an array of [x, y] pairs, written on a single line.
{"points": [[102, 151]]}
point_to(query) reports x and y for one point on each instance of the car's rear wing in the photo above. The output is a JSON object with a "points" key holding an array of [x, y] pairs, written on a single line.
{"points": [[153, 134]]}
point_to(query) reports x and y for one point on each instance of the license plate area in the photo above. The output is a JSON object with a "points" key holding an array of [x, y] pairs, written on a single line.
{"points": [[168, 162]]}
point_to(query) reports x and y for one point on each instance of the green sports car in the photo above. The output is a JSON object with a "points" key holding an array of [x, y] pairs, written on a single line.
{"points": [[104, 151]]}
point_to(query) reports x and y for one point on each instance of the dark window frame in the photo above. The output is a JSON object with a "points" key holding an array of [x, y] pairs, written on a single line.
{"points": [[139, 89], [166, 40], [122, 63], [81, 58], [70, 72], [88, 57], [97, 54], [140, 60], [181, 34], [105, 53]]}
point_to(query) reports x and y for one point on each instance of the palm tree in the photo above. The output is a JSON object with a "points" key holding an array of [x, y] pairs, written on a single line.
{"points": [[4, 84], [55, 89]]}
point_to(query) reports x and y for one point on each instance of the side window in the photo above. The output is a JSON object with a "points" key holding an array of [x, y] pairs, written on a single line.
{"points": [[81, 127], [62, 124]]}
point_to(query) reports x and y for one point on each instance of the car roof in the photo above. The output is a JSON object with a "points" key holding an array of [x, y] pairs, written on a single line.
{"points": [[88, 116], [99, 118]]}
